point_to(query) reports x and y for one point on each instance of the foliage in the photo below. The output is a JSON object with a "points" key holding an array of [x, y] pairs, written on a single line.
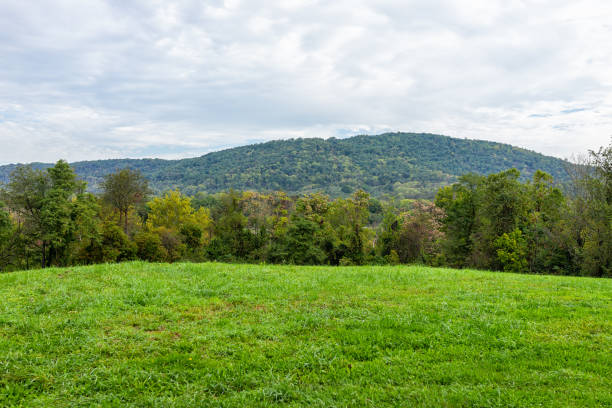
{"points": [[111, 245], [411, 235], [459, 203], [123, 190], [7, 239], [46, 205], [149, 247], [174, 210], [500, 221], [592, 226], [302, 246], [512, 251], [192, 235], [404, 165]]}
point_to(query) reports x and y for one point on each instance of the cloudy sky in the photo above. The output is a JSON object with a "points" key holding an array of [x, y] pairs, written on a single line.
{"points": [[88, 79]]}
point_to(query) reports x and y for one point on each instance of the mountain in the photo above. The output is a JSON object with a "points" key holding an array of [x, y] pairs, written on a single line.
{"points": [[399, 164]]}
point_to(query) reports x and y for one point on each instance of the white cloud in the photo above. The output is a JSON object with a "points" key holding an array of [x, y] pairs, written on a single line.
{"points": [[99, 79]]}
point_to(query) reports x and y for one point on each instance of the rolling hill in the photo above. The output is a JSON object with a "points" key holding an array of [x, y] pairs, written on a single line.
{"points": [[406, 165], [220, 335]]}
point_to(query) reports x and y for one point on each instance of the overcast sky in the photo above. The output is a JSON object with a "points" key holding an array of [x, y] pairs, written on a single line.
{"points": [[87, 79]]}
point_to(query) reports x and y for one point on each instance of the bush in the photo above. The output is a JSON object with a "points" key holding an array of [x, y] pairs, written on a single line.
{"points": [[150, 247], [116, 245], [512, 251], [192, 236], [393, 257], [111, 245], [171, 241]]}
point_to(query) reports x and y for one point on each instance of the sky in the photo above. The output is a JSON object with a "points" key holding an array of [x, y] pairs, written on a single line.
{"points": [[89, 79]]}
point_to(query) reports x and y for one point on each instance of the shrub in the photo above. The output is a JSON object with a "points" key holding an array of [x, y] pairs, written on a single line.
{"points": [[171, 241], [116, 246], [192, 236], [393, 257], [512, 251], [150, 247], [109, 245]]}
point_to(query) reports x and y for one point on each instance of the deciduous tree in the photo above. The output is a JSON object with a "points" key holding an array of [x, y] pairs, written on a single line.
{"points": [[124, 189]]}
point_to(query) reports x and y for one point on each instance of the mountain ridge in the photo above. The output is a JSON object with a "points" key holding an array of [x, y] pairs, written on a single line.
{"points": [[406, 165]]}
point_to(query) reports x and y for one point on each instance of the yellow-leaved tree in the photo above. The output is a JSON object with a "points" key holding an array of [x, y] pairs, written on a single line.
{"points": [[182, 229], [174, 211]]}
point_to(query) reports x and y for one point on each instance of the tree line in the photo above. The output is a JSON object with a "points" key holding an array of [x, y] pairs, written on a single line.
{"points": [[497, 222]]}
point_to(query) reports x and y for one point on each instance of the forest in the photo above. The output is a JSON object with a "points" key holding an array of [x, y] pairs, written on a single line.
{"points": [[498, 222], [400, 165]]}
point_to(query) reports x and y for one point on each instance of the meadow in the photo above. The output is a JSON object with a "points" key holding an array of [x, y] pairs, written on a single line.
{"points": [[226, 335]]}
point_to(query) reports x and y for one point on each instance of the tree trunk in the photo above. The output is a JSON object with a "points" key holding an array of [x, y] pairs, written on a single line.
{"points": [[125, 222], [44, 252]]}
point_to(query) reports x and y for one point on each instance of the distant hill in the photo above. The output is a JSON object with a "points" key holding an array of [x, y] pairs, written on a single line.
{"points": [[405, 165]]}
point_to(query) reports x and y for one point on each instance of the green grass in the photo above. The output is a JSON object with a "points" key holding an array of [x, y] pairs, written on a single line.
{"points": [[221, 335]]}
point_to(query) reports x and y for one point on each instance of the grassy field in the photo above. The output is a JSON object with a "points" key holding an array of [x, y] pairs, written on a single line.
{"points": [[217, 335]]}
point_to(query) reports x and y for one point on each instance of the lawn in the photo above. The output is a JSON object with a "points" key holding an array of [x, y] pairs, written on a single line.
{"points": [[220, 335]]}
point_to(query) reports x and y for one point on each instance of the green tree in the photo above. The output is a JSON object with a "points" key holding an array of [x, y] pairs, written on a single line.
{"points": [[512, 251], [419, 234], [233, 240], [348, 218], [25, 196], [459, 203], [547, 248], [388, 235], [193, 237], [8, 240], [502, 208], [592, 214], [111, 245], [53, 209], [149, 247], [302, 243], [123, 190], [68, 215]]}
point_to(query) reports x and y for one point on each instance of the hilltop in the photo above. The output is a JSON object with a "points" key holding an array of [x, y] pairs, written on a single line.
{"points": [[398, 164]]}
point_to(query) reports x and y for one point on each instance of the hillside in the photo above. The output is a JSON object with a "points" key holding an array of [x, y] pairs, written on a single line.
{"points": [[221, 335], [400, 164]]}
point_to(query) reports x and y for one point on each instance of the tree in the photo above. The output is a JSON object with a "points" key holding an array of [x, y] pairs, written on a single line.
{"points": [[546, 246], [419, 234], [460, 204], [386, 241], [602, 161], [53, 209], [302, 244], [174, 210], [8, 241], [489, 220], [512, 251], [68, 213], [24, 196], [502, 207], [124, 189], [592, 213], [233, 240], [111, 245], [150, 247], [348, 218]]}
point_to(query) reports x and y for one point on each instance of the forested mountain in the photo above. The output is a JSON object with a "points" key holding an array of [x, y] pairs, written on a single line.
{"points": [[396, 164]]}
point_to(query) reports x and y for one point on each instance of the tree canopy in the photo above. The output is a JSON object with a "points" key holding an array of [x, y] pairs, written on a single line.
{"points": [[499, 221], [401, 165]]}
